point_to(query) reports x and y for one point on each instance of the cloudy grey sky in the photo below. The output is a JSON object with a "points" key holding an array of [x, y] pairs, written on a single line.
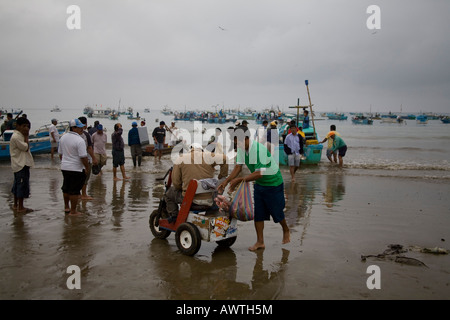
{"points": [[237, 53]]}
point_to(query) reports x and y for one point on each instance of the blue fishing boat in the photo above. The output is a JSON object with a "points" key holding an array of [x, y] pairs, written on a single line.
{"points": [[38, 145], [422, 119], [445, 119], [360, 119], [336, 116]]}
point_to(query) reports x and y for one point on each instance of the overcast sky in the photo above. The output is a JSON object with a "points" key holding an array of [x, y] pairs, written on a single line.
{"points": [[196, 54]]}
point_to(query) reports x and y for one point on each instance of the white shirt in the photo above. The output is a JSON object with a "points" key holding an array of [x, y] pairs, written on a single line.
{"points": [[293, 143], [53, 129], [72, 148]]}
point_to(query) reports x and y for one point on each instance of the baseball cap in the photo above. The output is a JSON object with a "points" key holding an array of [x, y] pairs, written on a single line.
{"points": [[237, 123], [100, 127], [53, 120], [244, 122], [76, 123], [162, 123], [134, 123]]}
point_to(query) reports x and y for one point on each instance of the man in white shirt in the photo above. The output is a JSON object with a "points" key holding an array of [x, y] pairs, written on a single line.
{"points": [[293, 146], [74, 164], [54, 136], [21, 162]]}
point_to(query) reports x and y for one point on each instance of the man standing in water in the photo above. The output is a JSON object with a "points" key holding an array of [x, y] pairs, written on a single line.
{"points": [[118, 152], [74, 165], [54, 136], [268, 188], [159, 136], [21, 162]]}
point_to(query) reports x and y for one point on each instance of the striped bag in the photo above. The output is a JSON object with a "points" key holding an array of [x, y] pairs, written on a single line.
{"points": [[242, 205]]}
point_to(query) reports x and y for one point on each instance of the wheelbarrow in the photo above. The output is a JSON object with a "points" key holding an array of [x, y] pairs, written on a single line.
{"points": [[194, 223]]}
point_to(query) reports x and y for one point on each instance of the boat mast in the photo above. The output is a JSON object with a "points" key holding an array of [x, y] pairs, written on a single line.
{"points": [[310, 108]]}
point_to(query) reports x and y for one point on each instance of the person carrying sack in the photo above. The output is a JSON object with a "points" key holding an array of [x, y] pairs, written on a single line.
{"points": [[268, 190]]}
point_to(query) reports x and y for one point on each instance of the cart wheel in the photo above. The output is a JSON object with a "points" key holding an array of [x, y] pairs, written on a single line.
{"points": [[156, 231], [188, 239], [228, 242]]}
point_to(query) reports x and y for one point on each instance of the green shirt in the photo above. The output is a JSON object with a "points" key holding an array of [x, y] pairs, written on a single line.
{"points": [[259, 159], [338, 143]]}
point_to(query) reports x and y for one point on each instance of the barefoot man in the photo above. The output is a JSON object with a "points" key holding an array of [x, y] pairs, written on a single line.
{"points": [[268, 187], [74, 165]]}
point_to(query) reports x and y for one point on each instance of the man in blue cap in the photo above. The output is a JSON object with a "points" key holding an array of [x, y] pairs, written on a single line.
{"points": [[135, 144]]}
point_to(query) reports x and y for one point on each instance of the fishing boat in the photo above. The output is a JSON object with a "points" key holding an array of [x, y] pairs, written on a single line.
{"points": [[147, 110], [166, 111], [445, 119], [55, 109], [422, 119], [361, 119], [312, 147], [43, 131], [397, 120], [150, 150], [38, 145], [336, 116], [99, 113]]}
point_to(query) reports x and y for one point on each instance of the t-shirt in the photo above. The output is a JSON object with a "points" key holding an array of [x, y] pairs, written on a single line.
{"points": [[159, 134], [88, 141], [338, 143], [99, 142], [72, 148], [259, 159], [53, 129]]}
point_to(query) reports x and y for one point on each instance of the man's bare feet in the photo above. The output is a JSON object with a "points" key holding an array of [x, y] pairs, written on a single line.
{"points": [[76, 213], [117, 179], [286, 237], [257, 246], [126, 178], [24, 210], [86, 197]]}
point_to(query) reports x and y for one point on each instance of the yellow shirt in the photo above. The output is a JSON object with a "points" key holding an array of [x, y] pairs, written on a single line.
{"points": [[329, 140]]}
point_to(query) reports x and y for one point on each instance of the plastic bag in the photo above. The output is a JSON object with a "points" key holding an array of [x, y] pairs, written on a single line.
{"points": [[241, 207]]}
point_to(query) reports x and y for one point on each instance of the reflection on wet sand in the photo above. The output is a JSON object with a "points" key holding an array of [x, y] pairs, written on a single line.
{"points": [[191, 278], [335, 188]]}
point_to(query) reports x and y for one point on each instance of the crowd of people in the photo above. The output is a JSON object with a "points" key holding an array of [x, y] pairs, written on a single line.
{"points": [[82, 152]]}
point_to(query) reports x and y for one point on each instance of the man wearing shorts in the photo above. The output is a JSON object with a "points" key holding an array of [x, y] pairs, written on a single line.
{"points": [[99, 139], [118, 152], [21, 162], [330, 153], [293, 146], [159, 136], [74, 165], [268, 187], [54, 136], [339, 146]]}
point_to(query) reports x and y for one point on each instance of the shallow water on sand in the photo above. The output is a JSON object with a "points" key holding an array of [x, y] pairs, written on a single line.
{"points": [[335, 216]]}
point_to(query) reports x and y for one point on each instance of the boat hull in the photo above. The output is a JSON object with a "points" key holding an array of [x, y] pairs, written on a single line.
{"points": [[37, 146]]}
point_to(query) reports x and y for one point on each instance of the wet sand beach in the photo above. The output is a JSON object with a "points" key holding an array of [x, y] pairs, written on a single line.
{"points": [[335, 217]]}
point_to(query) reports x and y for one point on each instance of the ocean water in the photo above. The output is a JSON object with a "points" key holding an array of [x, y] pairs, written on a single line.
{"points": [[408, 150]]}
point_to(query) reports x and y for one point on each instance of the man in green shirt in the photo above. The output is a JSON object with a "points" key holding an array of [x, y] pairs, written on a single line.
{"points": [[338, 145], [268, 187]]}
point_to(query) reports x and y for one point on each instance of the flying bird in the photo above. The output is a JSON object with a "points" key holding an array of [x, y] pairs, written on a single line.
{"points": [[222, 28]]}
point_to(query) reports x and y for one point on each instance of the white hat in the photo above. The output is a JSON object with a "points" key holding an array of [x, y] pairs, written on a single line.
{"points": [[196, 145], [76, 123], [237, 123]]}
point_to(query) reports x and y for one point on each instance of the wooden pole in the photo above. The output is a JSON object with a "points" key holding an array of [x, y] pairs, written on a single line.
{"points": [[310, 108]]}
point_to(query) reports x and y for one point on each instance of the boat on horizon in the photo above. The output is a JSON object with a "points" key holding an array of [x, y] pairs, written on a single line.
{"points": [[361, 119], [55, 109]]}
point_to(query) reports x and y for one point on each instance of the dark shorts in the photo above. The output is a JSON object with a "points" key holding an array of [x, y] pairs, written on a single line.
{"points": [[21, 185], [118, 158], [73, 182], [269, 201], [342, 151]]}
